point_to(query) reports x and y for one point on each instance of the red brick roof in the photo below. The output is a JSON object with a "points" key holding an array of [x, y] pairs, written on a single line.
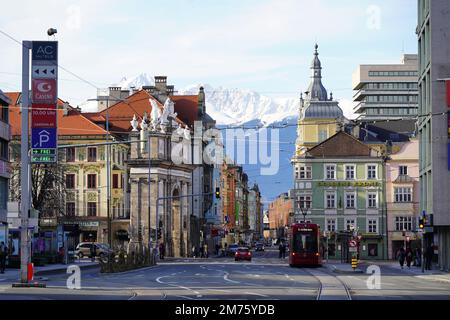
{"points": [[72, 124]]}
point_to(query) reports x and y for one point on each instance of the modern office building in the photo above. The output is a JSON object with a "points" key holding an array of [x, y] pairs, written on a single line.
{"points": [[433, 32], [386, 91]]}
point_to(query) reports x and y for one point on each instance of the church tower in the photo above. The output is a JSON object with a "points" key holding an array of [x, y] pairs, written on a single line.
{"points": [[320, 116]]}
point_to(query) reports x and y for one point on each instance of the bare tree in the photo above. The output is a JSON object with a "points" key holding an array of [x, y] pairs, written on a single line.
{"points": [[48, 186]]}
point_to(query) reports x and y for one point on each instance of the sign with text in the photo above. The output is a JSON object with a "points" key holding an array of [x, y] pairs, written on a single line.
{"points": [[44, 91], [45, 51], [44, 97], [43, 115]]}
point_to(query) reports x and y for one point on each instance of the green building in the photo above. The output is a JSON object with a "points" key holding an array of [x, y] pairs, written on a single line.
{"points": [[339, 184]]}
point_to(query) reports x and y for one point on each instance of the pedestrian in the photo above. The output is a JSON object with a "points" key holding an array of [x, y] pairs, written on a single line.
{"points": [[401, 257], [409, 257], [205, 251], [217, 249], [3, 255], [429, 257], [418, 257], [280, 249], [193, 252], [93, 251], [161, 251], [284, 250]]}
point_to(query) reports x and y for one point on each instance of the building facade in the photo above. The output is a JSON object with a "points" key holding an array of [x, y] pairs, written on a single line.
{"points": [[340, 186], [402, 198], [280, 213], [386, 91], [433, 32], [80, 182], [5, 169]]}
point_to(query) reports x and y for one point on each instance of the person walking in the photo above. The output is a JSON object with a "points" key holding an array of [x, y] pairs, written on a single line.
{"points": [[429, 257], [409, 257], [162, 251], [93, 252], [193, 252], [280, 249], [418, 257], [401, 257], [3, 255], [205, 251]]}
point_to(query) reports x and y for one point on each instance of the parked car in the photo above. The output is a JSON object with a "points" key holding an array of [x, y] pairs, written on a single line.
{"points": [[243, 253], [83, 249], [259, 246], [232, 249]]}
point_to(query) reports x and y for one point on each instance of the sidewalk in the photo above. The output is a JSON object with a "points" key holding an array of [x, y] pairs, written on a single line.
{"points": [[14, 274], [413, 270]]}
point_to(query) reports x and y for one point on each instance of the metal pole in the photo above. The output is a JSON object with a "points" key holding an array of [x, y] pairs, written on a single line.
{"points": [[149, 195], [108, 180], [24, 182]]}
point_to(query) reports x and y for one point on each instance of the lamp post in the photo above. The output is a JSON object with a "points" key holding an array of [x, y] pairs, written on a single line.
{"points": [[304, 207]]}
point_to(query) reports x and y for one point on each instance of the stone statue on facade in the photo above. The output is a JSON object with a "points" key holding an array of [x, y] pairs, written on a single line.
{"points": [[134, 124], [187, 133], [155, 115], [168, 112]]}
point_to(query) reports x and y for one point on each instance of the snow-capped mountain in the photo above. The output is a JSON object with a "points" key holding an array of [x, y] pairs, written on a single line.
{"points": [[237, 106], [137, 82], [230, 106]]}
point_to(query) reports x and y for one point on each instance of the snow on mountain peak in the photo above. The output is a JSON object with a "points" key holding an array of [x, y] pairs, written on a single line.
{"points": [[237, 106], [137, 82]]}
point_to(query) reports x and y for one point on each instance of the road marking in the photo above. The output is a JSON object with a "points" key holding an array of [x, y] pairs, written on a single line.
{"points": [[257, 294], [220, 290], [225, 277]]}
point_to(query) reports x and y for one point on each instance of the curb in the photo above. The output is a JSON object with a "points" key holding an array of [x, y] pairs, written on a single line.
{"points": [[336, 270], [63, 270]]}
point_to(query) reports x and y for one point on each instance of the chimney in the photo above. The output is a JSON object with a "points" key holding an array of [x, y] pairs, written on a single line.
{"points": [[161, 84], [65, 109], [201, 106]]}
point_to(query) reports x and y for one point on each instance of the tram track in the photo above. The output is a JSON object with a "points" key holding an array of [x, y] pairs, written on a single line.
{"points": [[329, 290]]}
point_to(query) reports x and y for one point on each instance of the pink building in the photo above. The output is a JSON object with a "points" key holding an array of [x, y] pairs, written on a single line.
{"points": [[403, 196]]}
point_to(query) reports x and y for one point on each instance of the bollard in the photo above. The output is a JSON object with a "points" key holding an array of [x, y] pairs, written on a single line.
{"points": [[354, 263], [30, 272]]}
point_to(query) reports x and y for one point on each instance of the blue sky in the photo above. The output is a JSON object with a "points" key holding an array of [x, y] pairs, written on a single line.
{"points": [[263, 45]]}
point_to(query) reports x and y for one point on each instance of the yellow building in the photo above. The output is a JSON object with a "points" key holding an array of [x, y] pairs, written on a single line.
{"points": [[320, 116]]}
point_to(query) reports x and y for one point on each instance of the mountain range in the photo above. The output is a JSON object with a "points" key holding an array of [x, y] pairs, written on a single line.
{"points": [[230, 107]]}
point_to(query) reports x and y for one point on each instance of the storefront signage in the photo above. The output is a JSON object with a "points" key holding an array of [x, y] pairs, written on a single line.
{"points": [[349, 184], [85, 224]]}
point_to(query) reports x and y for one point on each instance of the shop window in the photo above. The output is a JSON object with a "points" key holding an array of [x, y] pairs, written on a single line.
{"points": [[373, 249]]}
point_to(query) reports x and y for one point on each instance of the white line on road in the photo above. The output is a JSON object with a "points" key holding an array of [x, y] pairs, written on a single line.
{"points": [[225, 277], [257, 294]]}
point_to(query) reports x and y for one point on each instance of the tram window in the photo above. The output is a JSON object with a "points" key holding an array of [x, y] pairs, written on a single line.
{"points": [[305, 242]]}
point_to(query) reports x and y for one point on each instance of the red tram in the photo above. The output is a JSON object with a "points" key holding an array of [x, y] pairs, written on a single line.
{"points": [[305, 245]]}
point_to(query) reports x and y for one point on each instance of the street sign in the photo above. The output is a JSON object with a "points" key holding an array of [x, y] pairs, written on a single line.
{"points": [[43, 138], [44, 91], [352, 249], [45, 51], [43, 115], [352, 243], [44, 96], [44, 72]]}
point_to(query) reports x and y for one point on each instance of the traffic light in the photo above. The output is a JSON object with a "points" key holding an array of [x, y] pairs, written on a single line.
{"points": [[218, 193], [421, 223]]}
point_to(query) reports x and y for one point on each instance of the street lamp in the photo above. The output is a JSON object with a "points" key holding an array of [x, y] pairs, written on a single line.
{"points": [[304, 207]]}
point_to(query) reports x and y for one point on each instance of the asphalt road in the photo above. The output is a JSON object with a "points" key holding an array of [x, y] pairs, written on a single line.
{"points": [[264, 278]]}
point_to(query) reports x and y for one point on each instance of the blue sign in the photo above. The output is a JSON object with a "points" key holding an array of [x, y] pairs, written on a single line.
{"points": [[43, 138], [45, 51]]}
